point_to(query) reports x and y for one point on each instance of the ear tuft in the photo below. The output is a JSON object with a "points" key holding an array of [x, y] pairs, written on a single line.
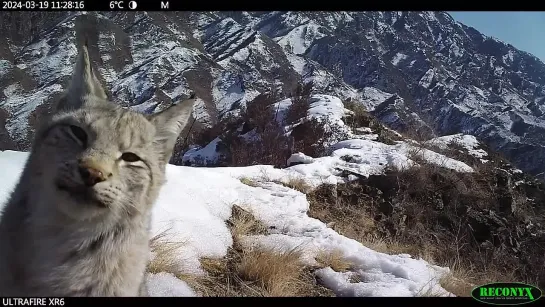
{"points": [[84, 83]]}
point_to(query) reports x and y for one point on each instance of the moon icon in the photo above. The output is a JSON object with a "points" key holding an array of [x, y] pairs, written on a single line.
{"points": [[132, 5]]}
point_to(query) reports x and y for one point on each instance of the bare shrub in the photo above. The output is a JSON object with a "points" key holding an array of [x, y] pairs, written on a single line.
{"points": [[446, 217], [360, 116], [300, 103], [262, 140]]}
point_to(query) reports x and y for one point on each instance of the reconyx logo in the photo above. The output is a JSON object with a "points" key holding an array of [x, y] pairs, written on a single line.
{"points": [[506, 293]]}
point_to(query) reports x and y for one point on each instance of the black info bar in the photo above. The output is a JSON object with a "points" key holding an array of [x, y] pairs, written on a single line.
{"points": [[93, 5]]}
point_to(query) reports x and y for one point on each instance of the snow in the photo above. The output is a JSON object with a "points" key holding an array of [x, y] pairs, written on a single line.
{"points": [[508, 57], [398, 58], [299, 158], [166, 284], [326, 105], [298, 63], [356, 154], [195, 202], [364, 130], [228, 90], [321, 106], [43, 63], [5, 67], [456, 51], [359, 157], [12, 163], [202, 156], [372, 97], [469, 142], [427, 78], [153, 67], [21, 104], [298, 40], [373, 157]]}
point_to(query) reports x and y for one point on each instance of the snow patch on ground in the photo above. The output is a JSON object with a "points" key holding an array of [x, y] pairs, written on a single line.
{"points": [[469, 142], [356, 157], [300, 158], [427, 78], [321, 106], [165, 284], [298, 63]]}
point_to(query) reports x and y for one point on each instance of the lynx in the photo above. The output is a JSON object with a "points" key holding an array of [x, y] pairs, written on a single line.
{"points": [[77, 223]]}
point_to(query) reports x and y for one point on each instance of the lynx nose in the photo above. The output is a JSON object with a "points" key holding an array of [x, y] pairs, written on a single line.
{"points": [[91, 176]]}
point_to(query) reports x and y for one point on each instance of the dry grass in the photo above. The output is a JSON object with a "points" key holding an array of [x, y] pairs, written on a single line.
{"points": [[259, 271], [354, 222], [277, 273], [462, 279], [166, 259], [248, 181], [243, 223], [333, 259], [254, 270], [350, 220], [393, 247], [165, 254], [298, 184], [457, 284]]}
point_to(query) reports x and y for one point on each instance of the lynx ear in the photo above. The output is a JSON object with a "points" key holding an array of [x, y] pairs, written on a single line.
{"points": [[169, 123], [84, 84]]}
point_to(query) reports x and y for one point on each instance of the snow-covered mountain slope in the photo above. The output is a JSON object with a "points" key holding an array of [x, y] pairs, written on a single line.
{"points": [[196, 214], [411, 69]]}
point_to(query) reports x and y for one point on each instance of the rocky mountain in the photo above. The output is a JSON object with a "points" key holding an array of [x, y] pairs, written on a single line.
{"points": [[413, 70]]}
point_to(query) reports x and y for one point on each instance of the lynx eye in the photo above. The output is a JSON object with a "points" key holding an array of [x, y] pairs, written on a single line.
{"points": [[79, 134], [130, 157]]}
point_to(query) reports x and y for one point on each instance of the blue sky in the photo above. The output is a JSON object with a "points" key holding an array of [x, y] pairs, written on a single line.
{"points": [[524, 30]]}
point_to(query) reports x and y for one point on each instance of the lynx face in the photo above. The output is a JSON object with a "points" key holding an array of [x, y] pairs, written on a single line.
{"points": [[101, 158]]}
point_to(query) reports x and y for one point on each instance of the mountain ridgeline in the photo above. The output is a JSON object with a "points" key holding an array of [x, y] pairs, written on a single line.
{"points": [[414, 71]]}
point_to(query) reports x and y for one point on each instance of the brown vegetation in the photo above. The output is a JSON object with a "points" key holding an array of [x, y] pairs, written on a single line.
{"points": [[478, 223], [362, 118], [258, 136], [298, 184], [254, 270]]}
